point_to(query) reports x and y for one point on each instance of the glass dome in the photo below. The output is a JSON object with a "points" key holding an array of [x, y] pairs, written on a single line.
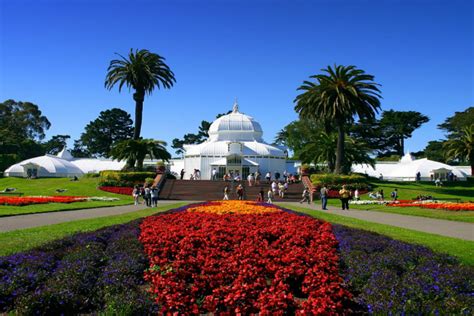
{"points": [[235, 126]]}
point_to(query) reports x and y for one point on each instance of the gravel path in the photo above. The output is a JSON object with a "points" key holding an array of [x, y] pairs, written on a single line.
{"points": [[441, 227]]}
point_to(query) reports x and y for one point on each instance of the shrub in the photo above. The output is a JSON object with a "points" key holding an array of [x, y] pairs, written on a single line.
{"points": [[91, 175], [123, 179], [335, 182], [149, 181]]}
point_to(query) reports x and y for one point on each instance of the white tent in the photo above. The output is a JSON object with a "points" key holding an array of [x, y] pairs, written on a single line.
{"points": [[407, 168], [428, 169], [44, 166]]}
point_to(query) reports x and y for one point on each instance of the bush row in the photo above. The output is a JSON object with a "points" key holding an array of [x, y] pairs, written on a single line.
{"points": [[335, 182], [124, 179]]}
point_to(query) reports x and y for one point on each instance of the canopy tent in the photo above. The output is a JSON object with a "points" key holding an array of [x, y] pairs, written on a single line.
{"points": [[44, 166], [407, 171]]}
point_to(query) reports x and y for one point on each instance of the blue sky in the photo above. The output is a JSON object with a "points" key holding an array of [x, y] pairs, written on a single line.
{"points": [[55, 54]]}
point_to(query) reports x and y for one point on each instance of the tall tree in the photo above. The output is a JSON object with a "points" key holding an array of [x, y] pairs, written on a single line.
{"points": [[20, 121], [141, 71], [462, 146], [338, 95], [111, 126], [80, 150], [135, 151], [396, 126], [55, 144], [453, 125]]}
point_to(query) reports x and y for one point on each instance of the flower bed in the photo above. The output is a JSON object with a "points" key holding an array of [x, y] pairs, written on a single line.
{"points": [[117, 190], [393, 277], [207, 260], [101, 272], [84, 273], [28, 200], [448, 206]]}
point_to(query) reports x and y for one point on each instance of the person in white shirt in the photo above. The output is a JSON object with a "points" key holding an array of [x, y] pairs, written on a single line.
{"points": [[250, 179], [214, 174], [270, 196]]}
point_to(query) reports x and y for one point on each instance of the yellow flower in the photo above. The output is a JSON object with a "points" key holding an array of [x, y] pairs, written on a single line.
{"points": [[233, 207]]}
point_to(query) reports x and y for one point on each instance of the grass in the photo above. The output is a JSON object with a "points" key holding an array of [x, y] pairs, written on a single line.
{"points": [[410, 190], [48, 187], [462, 249], [24, 239]]}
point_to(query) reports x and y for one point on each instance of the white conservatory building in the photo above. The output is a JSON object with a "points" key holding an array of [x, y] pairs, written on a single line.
{"points": [[235, 145]]}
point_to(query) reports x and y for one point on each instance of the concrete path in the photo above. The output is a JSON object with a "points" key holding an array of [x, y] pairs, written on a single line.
{"points": [[441, 227], [34, 220]]}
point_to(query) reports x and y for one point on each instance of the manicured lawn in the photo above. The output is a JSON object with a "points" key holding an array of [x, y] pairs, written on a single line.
{"points": [[24, 239], [48, 187], [462, 249], [410, 190]]}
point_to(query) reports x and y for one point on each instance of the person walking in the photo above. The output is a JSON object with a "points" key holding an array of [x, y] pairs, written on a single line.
{"points": [[181, 174], [260, 197], [257, 177], [154, 196], [274, 188], [268, 176], [270, 196], [226, 193], [305, 196], [281, 190], [136, 195], [345, 195], [277, 176], [240, 192], [250, 179], [148, 196], [324, 197], [214, 174]]}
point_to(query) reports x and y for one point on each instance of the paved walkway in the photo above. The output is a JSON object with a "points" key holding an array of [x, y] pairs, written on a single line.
{"points": [[434, 226], [34, 220], [423, 224]]}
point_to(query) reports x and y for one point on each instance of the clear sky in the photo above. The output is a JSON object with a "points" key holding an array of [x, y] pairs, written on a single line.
{"points": [[55, 54]]}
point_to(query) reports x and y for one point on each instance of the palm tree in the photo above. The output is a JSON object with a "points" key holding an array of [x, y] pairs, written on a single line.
{"points": [[338, 95], [142, 71], [136, 150], [462, 147]]}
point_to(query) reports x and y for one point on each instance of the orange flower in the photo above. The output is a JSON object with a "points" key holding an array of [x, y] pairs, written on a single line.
{"points": [[234, 207]]}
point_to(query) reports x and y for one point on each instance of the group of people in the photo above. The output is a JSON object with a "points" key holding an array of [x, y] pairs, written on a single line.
{"points": [[276, 189], [149, 194]]}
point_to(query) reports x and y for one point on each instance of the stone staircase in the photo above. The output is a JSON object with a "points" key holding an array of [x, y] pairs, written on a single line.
{"points": [[203, 190]]}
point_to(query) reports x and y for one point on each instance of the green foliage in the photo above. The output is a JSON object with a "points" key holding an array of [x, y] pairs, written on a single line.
{"points": [[141, 71], [454, 124], [110, 127], [312, 144], [6, 160], [135, 151], [20, 121], [55, 144], [395, 126], [337, 95], [149, 181], [124, 179], [91, 175], [386, 136], [461, 146], [334, 181], [389, 158]]}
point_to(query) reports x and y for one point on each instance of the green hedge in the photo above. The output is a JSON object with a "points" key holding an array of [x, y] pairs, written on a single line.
{"points": [[124, 179], [334, 181]]}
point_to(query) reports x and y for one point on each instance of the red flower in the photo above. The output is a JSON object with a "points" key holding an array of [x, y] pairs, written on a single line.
{"points": [[266, 263]]}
